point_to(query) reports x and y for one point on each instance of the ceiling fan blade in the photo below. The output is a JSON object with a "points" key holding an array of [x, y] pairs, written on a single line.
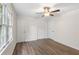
{"points": [[51, 14], [58, 10]]}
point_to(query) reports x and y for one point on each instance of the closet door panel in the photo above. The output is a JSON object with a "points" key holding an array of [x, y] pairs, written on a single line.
{"points": [[42, 30]]}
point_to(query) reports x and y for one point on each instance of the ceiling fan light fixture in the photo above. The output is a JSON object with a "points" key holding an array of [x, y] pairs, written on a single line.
{"points": [[46, 14], [46, 11]]}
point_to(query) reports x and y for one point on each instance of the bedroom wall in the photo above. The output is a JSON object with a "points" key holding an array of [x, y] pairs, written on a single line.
{"points": [[65, 29]]}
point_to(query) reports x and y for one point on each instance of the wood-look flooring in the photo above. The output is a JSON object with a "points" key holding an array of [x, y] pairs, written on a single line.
{"points": [[43, 47]]}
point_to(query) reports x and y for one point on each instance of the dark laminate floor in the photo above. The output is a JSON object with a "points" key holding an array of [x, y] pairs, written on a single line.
{"points": [[43, 47]]}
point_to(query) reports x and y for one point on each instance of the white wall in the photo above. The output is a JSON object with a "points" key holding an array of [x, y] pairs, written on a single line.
{"points": [[66, 29]]}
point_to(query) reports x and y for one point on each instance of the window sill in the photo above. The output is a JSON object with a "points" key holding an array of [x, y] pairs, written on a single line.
{"points": [[2, 49]]}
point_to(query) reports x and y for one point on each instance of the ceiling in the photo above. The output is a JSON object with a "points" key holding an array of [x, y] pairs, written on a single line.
{"points": [[30, 9]]}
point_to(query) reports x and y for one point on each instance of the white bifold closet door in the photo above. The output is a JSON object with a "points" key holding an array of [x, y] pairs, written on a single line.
{"points": [[42, 30], [32, 35], [31, 29]]}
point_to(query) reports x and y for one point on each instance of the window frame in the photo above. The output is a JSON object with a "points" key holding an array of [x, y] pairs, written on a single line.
{"points": [[5, 16]]}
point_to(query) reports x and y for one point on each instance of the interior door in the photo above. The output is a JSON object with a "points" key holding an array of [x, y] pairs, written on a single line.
{"points": [[30, 30], [33, 32], [42, 29]]}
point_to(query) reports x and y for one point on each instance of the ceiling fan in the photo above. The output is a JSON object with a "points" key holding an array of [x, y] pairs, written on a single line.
{"points": [[48, 12]]}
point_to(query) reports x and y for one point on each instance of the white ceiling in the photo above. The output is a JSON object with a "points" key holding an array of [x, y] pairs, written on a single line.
{"points": [[25, 8], [30, 9]]}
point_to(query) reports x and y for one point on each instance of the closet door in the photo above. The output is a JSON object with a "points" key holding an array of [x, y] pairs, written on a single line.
{"points": [[27, 29], [32, 32], [42, 30]]}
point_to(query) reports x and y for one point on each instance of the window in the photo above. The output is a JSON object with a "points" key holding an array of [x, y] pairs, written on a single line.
{"points": [[0, 23], [0, 12], [5, 25]]}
